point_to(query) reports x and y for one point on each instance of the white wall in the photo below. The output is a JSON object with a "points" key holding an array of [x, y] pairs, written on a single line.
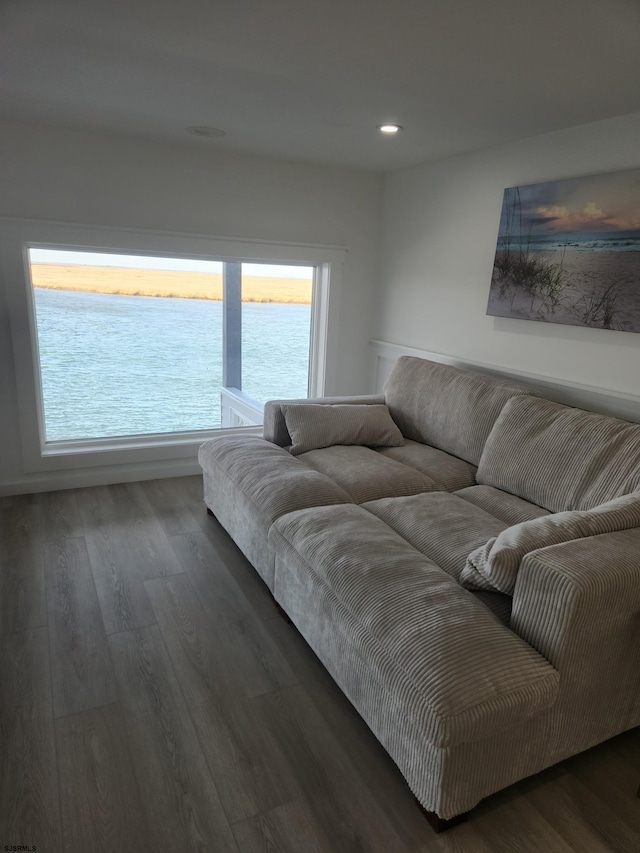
{"points": [[440, 226], [61, 174]]}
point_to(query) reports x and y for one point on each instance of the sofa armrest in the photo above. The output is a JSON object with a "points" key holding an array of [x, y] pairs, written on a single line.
{"points": [[274, 426], [578, 604]]}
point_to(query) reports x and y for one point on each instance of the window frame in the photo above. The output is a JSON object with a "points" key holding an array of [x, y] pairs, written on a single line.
{"points": [[17, 236]]}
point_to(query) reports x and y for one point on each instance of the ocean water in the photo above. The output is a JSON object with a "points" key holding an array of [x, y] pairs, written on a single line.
{"points": [[614, 241], [129, 365]]}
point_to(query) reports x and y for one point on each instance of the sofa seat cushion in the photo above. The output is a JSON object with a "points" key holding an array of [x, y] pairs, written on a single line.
{"points": [[249, 482], [269, 480], [443, 659], [445, 406], [508, 508], [447, 471], [559, 457], [366, 475], [440, 525]]}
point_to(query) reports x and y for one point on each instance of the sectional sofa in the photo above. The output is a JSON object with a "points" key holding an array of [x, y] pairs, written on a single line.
{"points": [[464, 558]]}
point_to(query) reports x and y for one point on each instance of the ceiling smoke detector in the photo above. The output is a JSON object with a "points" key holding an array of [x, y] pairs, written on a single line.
{"points": [[203, 130]]}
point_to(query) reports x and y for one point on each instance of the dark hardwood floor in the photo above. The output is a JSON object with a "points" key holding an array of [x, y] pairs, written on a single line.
{"points": [[152, 699]]}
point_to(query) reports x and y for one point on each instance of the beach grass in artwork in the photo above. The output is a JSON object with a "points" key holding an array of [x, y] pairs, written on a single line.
{"points": [[569, 252]]}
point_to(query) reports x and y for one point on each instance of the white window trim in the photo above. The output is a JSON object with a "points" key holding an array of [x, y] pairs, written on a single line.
{"points": [[17, 236]]}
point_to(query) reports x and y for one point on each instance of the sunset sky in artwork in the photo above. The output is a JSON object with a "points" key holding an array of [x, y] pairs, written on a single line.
{"points": [[601, 203]]}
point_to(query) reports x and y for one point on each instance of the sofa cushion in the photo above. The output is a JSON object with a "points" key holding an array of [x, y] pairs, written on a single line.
{"points": [[505, 506], [447, 471], [249, 482], [440, 525], [274, 427], [559, 457], [366, 475], [495, 565], [442, 659], [446, 407], [268, 477], [312, 426]]}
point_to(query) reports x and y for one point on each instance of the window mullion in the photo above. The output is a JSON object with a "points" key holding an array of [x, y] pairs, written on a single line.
{"points": [[232, 325]]}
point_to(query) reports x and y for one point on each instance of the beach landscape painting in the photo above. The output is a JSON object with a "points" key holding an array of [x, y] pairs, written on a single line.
{"points": [[568, 252]]}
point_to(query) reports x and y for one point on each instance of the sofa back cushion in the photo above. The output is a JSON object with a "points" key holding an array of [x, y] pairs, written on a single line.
{"points": [[447, 407], [559, 457]]}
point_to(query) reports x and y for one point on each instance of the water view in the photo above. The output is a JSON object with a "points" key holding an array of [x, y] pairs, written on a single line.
{"points": [[114, 364]]}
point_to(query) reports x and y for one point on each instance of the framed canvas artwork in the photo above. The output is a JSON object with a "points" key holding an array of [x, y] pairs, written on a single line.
{"points": [[569, 252]]}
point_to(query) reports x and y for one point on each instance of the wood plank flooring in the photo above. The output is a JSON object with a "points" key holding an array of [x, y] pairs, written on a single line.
{"points": [[151, 699]]}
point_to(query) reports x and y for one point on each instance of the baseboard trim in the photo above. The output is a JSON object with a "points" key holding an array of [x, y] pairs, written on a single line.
{"points": [[104, 476]]}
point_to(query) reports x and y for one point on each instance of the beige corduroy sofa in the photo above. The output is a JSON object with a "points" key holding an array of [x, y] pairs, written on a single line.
{"points": [[473, 586]]}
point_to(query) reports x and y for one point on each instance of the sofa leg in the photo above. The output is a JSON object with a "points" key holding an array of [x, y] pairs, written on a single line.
{"points": [[439, 823]]}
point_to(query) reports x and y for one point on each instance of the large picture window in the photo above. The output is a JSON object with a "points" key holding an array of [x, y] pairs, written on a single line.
{"points": [[132, 345], [135, 346]]}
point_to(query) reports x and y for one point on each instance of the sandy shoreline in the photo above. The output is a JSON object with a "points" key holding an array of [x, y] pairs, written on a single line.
{"points": [[588, 277], [166, 283]]}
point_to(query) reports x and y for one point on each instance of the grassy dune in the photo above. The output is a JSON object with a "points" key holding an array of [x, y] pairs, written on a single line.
{"points": [[185, 285]]}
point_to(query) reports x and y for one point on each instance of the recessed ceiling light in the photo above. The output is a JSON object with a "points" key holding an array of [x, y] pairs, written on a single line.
{"points": [[389, 128], [203, 130]]}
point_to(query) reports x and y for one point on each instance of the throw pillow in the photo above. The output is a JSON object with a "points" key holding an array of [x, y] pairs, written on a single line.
{"points": [[494, 566], [312, 426]]}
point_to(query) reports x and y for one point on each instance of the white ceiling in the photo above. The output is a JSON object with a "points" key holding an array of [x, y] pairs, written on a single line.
{"points": [[310, 79]]}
